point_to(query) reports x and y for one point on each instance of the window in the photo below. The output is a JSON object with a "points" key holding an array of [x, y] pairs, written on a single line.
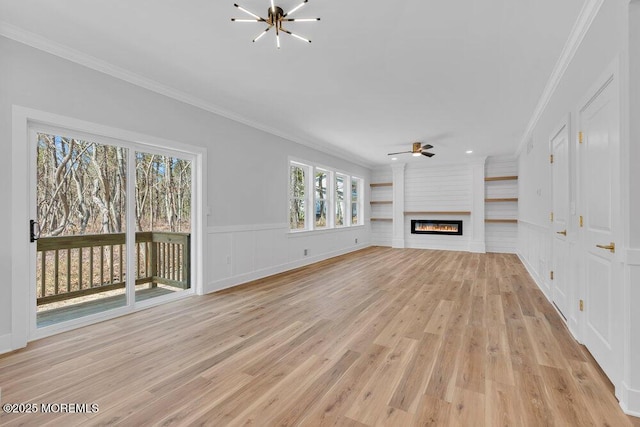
{"points": [[356, 205], [319, 198], [341, 180], [297, 195], [320, 183]]}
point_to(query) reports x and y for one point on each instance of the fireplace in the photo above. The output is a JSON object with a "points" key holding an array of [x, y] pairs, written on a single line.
{"points": [[435, 226]]}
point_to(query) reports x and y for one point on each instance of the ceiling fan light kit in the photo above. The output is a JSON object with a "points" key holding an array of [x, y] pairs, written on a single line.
{"points": [[417, 150], [275, 18]]}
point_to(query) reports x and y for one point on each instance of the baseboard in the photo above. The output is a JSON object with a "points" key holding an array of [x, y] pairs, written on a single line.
{"points": [[545, 291], [534, 275], [477, 247], [230, 282], [397, 243], [630, 402], [501, 250], [5, 343]]}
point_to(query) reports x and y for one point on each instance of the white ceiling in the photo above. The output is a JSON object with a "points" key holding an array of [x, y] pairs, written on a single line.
{"points": [[377, 76]]}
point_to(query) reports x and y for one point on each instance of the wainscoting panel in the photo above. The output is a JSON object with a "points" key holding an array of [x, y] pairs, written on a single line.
{"points": [[239, 254], [5, 343], [534, 248], [501, 238], [631, 386]]}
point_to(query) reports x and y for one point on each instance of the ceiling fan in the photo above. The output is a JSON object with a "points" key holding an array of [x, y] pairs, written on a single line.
{"points": [[417, 150]]}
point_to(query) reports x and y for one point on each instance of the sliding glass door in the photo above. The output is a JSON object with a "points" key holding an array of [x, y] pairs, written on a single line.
{"points": [[163, 225], [101, 241]]}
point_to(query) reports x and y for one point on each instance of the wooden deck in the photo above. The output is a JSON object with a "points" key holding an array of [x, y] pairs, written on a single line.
{"points": [[74, 311], [378, 337]]}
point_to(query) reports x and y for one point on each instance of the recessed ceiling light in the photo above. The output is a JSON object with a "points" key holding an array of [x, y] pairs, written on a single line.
{"points": [[394, 158], [469, 151]]}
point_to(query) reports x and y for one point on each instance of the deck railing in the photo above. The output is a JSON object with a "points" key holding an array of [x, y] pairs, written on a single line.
{"points": [[74, 266]]}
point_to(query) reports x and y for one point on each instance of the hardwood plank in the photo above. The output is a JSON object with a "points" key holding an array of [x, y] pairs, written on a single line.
{"points": [[564, 397], [377, 337], [432, 412], [370, 405], [440, 318], [467, 408], [414, 381]]}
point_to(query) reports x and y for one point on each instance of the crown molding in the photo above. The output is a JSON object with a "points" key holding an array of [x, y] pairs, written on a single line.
{"points": [[49, 46], [576, 36]]}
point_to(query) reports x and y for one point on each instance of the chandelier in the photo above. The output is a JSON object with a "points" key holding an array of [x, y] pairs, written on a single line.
{"points": [[276, 17]]}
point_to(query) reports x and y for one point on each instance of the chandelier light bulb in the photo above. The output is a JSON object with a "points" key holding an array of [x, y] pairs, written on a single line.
{"points": [[300, 38], [295, 8], [248, 12]]}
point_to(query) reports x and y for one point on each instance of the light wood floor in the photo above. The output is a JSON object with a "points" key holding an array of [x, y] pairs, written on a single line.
{"points": [[378, 337]]}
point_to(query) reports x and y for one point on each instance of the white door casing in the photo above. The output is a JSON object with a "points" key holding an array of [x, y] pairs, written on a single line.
{"points": [[23, 182], [599, 181], [560, 291]]}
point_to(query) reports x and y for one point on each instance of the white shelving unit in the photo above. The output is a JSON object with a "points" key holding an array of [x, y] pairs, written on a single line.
{"points": [[501, 205]]}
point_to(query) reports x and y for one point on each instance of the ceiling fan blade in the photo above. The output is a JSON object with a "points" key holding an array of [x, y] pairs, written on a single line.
{"points": [[424, 153], [401, 152], [426, 146]]}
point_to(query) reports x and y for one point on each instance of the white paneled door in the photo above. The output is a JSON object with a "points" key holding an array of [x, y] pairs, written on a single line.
{"points": [[560, 179], [599, 122]]}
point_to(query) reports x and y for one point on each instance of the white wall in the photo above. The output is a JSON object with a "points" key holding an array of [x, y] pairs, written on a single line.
{"points": [[605, 43], [247, 170], [428, 187], [438, 188]]}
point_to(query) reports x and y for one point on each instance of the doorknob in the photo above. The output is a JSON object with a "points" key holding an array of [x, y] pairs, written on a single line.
{"points": [[563, 232], [611, 247]]}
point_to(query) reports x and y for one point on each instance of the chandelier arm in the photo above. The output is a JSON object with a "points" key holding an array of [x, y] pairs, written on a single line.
{"points": [[262, 33], [295, 35], [295, 8], [300, 19], [248, 12]]}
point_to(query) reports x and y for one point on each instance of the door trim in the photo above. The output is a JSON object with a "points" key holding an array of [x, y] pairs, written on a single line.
{"points": [[564, 126], [21, 264]]}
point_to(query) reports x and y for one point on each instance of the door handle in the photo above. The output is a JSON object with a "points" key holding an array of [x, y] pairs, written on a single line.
{"points": [[34, 231], [563, 232], [611, 247]]}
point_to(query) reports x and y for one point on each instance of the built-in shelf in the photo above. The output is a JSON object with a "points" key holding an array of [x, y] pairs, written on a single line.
{"points": [[503, 221], [381, 184], [438, 213], [381, 219], [381, 202], [505, 199], [500, 178]]}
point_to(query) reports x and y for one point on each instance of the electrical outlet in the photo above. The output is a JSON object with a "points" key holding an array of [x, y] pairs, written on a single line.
{"points": [[306, 252], [356, 240]]}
